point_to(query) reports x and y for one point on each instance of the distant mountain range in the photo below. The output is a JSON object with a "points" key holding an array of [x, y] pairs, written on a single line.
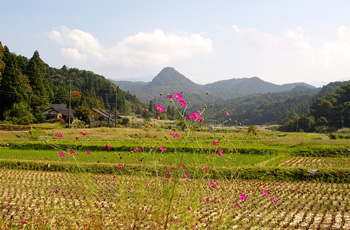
{"points": [[170, 81]]}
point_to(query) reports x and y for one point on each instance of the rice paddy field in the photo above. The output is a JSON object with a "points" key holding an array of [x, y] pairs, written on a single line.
{"points": [[150, 179]]}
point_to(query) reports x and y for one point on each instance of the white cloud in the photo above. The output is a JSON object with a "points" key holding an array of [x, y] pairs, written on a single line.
{"points": [[77, 42], [254, 36], [74, 54], [299, 39], [338, 50], [148, 50], [321, 52]]}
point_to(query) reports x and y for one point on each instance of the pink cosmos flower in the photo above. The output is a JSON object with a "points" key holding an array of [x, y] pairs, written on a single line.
{"points": [[221, 155], [113, 177], [183, 103], [137, 149], [58, 134], [56, 191], [206, 168], [185, 175], [169, 96], [238, 204], [215, 143], [82, 133], [243, 196], [76, 138], [23, 222], [273, 201], [200, 119], [207, 199], [62, 154], [178, 96], [183, 166], [167, 175], [160, 108], [88, 152], [174, 134], [108, 147], [177, 222], [227, 114], [184, 117], [266, 193], [213, 184], [171, 169], [120, 166], [162, 149], [72, 152]]}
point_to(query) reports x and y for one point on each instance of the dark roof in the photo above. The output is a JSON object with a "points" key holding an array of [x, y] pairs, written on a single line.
{"points": [[105, 114], [59, 106], [63, 111]]}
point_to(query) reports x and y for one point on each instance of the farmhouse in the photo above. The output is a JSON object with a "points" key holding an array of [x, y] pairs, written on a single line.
{"points": [[58, 112]]}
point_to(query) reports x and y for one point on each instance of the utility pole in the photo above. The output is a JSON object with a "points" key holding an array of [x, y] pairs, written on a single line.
{"points": [[116, 103], [70, 99]]}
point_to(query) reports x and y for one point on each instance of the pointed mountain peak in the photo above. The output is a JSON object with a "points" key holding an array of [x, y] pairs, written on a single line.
{"points": [[170, 77]]}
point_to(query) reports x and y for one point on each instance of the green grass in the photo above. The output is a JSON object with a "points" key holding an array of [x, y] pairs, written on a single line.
{"points": [[146, 158]]}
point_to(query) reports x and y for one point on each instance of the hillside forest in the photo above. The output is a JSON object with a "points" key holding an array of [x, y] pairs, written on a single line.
{"points": [[30, 86]]}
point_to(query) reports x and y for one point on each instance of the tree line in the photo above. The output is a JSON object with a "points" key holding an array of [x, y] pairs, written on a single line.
{"points": [[327, 114], [30, 86]]}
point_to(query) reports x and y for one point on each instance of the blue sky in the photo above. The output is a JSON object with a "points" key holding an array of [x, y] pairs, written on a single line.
{"points": [[278, 41]]}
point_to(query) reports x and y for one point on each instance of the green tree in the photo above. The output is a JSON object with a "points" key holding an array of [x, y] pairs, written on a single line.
{"points": [[2, 63], [37, 76], [83, 114], [20, 113], [14, 85]]}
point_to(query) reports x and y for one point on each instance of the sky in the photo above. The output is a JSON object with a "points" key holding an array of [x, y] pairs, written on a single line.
{"points": [[278, 41]]}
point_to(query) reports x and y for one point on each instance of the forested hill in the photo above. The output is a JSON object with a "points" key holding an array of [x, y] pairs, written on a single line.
{"points": [[269, 108], [29, 86], [171, 81]]}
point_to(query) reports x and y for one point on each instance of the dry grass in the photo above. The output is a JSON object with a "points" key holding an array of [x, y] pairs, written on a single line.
{"points": [[132, 202]]}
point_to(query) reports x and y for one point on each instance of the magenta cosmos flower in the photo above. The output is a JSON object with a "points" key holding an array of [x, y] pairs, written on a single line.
{"points": [[185, 175], [72, 152], [243, 196], [161, 149], [62, 154], [183, 103], [108, 147], [160, 108], [266, 193], [178, 96], [212, 184], [215, 143]]}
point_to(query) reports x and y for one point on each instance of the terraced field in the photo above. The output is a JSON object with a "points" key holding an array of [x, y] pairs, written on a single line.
{"points": [[317, 162], [58, 200]]}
